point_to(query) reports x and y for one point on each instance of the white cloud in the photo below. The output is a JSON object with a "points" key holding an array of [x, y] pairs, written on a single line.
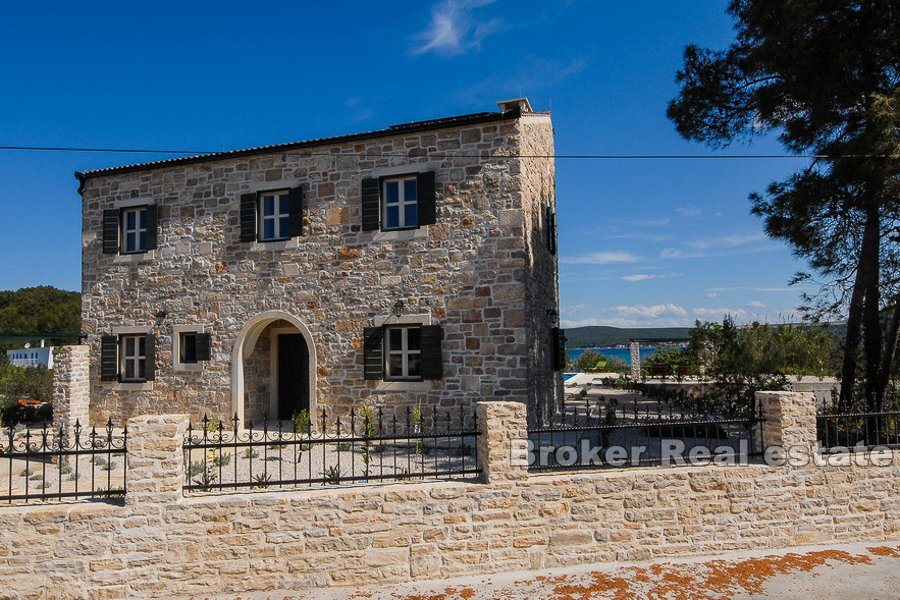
{"points": [[656, 310], [728, 241], [719, 313], [646, 276], [756, 304], [601, 258], [689, 211], [452, 31], [675, 253], [571, 311], [711, 295], [716, 290]]}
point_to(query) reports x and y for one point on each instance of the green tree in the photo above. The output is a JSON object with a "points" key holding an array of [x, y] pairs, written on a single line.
{"points": [[42, 309], [824, 75], [595, 362]]}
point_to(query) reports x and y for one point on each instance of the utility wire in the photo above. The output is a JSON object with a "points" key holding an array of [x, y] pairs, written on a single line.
{"points": [[449, 154]]}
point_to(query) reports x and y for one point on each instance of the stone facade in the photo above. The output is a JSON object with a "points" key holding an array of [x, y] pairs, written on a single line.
{"points": [[160, 545], [71, 387], [482, 271]]}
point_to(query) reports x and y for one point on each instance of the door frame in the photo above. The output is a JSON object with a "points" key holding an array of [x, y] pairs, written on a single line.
{"points": [[243, 347], [273, 367]]}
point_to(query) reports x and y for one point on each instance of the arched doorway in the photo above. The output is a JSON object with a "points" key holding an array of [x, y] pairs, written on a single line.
{"points": [[273, 368]]}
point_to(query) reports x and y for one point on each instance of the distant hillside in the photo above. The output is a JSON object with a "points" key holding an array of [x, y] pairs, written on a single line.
{"points": [[601, 335], [42, 309]]}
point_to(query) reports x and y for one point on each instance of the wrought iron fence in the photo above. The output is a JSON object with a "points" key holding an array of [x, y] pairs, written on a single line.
{"points": [[849, 426], [631, 429], [366, 447], [54, 464]]}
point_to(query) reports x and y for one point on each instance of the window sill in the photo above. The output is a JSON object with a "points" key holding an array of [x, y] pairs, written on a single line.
{"points": [[392, 235], [188, 367], [132, 386], [404, 386], [275, 245], [135, 257]]}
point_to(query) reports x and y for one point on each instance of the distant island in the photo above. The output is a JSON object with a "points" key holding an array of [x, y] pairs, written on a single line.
{"points": [[599, 336]]}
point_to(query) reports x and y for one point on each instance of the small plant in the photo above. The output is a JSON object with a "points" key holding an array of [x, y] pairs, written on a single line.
{"points": [[222, 460], [250, 453], [277, 446], [25, 473], [206, 479], [195, 468], [99, 461], [212, 426], [344, 447], [417, 428], [109, 466], [262, 480], [333, 475], [301, 421], [36, 477], [64, 467], [368, 433]]}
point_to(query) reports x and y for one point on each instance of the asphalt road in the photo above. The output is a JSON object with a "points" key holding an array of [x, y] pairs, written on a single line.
{"points": [[861, 571]]}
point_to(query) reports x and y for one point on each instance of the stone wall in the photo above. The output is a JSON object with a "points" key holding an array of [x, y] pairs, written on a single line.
{"points": [[71, 387], [162, 545], [468, 272], [538, 175]]}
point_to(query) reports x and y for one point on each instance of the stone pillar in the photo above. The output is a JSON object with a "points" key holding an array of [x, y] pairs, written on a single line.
{"points": [[156, 459], [71, 387], [503, 443], [635, 359], [790, 419]]}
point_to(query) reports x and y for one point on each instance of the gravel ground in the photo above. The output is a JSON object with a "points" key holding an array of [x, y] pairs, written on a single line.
{"points": [[276, 464]]}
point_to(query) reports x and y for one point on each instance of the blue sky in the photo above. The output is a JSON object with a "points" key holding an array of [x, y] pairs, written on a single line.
{"points": [[642, 242]]}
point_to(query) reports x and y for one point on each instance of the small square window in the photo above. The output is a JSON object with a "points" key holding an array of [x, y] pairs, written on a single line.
{"points": [[403, 355], [400, 203], [134, 230], [187, 347], [274, 216]]}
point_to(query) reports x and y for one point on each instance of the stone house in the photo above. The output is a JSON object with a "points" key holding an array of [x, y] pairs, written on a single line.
{"points": [[409, 266]]}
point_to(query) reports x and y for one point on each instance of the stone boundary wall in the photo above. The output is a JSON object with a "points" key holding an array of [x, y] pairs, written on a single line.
{"points": [[71, 387], [160, 544]]}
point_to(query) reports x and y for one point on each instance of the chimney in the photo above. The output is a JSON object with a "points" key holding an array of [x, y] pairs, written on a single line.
{"points": [[521, 103], [42, 343]]}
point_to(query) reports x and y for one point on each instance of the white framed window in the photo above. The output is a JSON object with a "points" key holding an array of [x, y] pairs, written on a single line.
{"points": [[400, 203], [274, 216], [133, 351], [403, 353], [134, 230]]}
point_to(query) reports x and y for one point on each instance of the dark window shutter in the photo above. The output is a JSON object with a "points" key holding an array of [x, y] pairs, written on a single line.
{"points": [[203, 346], [550, 222], [559, 349], [425, 190], [111, 231], [150, 357], [296, 211], [248, 217], [152, 226], [373, 353], [432, 358], [109, 363], [371, 204]]}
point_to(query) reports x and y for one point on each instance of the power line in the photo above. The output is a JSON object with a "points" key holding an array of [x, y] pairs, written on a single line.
{"points": [[450, 154]]}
